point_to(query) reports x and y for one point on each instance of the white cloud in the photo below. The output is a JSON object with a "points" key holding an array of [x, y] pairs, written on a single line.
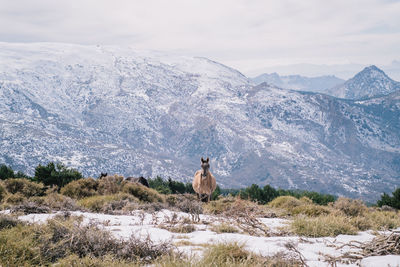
{"points": [[247, 35]]}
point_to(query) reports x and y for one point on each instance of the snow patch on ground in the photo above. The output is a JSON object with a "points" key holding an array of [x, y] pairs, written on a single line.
{"points": [[143, 224]]}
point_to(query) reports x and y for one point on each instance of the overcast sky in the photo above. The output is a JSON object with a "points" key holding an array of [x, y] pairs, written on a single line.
{"points": [[250, 35]]}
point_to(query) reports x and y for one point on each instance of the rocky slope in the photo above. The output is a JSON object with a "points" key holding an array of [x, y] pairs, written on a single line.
{"points": [[370, 82], [118, 110]]}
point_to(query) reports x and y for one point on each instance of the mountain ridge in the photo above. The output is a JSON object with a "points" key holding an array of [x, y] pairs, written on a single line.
{"points": [[142, 113]]}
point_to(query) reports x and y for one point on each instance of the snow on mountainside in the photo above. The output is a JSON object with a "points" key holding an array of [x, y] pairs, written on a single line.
{"points": [[296, 82], [118, 110], [370, 82]]}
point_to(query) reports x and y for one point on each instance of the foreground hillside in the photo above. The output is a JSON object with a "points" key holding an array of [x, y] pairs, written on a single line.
{"points": [[126, 224], [117, 110]]}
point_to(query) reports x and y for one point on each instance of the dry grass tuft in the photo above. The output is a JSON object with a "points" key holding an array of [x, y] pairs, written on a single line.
{"points": [[328, 225], [224, 228]]}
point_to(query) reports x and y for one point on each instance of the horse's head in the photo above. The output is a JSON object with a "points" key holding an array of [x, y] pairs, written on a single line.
{"points": [[205, 166], [102, 175]]}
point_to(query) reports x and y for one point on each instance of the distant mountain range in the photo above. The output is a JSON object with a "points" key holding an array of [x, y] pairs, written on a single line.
{"points": [[301, 83], [117, 110], [370, 82]]}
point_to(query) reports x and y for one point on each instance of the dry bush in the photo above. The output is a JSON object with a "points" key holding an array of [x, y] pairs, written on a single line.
{"points": [[85, 187], [142, 192], [285, 202], [182, 228], [19, 247], [28, 207], [105, 261], [108, 203], [383, 220], [220, 206], [7, 221], [41, 245], [3, 192], [244, 213], [236, 207], [330, 225], [110, 185], [24, 187], [14, 199], [224, 228], [55, 201], [186, 203], [311, 210], [350, 207]]}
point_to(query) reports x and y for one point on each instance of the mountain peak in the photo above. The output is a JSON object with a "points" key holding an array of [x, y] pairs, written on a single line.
{"points": [[368, 83]]}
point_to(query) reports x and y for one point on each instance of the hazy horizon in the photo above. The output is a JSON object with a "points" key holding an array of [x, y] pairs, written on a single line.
{"points": [[309, 38]]}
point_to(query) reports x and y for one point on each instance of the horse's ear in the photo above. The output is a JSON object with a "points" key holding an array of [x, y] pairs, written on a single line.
{"points": [[202, 160], [207, 160]]}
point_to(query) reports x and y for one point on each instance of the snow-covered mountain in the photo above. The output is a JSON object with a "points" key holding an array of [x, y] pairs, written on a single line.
{"points": [[118, 110], [370, 82], [297, 82]]}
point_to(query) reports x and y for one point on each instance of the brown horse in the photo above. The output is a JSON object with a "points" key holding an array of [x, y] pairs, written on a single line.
{"points": [[204, 182]]}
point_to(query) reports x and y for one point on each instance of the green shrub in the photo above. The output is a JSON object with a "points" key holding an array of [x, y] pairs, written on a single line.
{"points": [[85, 187], [391, 201], [350, 207], [261, 195], [24, 187], [6, 172], [107, 203], [56, 174], [110, 185], [330, 225], [142, 193]]}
